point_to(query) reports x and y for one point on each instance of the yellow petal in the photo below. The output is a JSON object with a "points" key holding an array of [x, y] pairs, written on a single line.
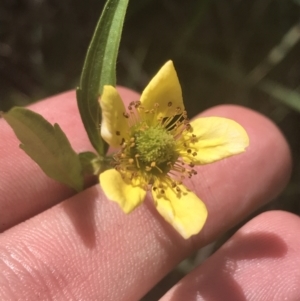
{"points": [[164, 89], [216, 138], [184, 210], [116, 189], [114, 126]]}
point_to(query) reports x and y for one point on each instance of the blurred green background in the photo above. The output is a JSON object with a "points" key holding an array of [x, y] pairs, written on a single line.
{"points": [[227, 51]]}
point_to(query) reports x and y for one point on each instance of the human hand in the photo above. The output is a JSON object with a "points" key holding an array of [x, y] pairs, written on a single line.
{"points": [[61, 246]]}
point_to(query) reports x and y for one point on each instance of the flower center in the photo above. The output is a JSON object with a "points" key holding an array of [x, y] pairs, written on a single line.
{"points": [[150, 153], [155, 146]]}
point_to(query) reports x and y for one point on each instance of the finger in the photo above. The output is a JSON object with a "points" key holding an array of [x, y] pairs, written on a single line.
{"points": [[87, 248], [260, 262], [23, 185], [239, 184]]}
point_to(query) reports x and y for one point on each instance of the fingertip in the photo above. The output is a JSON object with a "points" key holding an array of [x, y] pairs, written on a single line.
{"points": [[260, 262], [276, 221], [233, 187]]}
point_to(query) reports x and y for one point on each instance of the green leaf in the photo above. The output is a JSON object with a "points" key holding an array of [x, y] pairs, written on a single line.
{"points": [[47, 145], [100, 69], [87, 160]]}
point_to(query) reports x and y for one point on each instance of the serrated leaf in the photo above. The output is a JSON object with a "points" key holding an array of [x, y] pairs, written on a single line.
{"points": [[100, 69], [47, 145]]}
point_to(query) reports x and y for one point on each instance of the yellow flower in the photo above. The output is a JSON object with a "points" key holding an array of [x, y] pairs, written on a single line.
{"points": [[159, 147]]}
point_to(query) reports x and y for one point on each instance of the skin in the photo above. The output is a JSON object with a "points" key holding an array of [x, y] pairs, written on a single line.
{"points": [[58, 245]]}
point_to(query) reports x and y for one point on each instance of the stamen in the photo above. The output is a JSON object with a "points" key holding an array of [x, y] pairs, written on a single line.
{"points": [[155, 164], [158, 169], [137, 104], [137, 161], [188, 127]]}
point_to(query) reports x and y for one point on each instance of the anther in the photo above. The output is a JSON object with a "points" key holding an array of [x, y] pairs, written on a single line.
{"points": [[153, 164], [188, 126], [169, 103], [130, 160], [189, 151], [118, 133], [126, 115], [194, 154], [137, 104]]}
